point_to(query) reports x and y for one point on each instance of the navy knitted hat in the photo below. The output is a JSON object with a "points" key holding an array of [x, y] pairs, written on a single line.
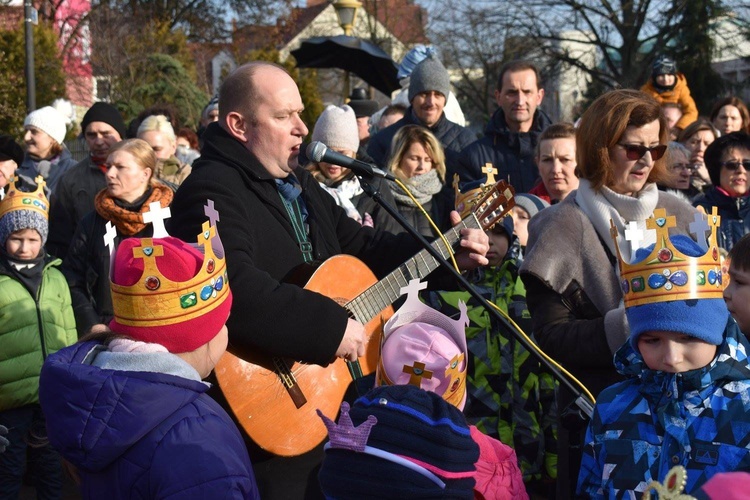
{"points": [[703, 319], [427, 437], [17, 220]]}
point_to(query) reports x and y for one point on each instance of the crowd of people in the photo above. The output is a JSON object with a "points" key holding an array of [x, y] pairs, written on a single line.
{"points": [[624, 256]]}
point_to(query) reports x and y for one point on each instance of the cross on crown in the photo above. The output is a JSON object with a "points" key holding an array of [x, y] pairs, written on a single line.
{"points": [[667, 274]]}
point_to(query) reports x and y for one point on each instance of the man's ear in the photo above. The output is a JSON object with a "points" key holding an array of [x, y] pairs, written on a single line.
{"points": [[540, 97], [237, 126]]}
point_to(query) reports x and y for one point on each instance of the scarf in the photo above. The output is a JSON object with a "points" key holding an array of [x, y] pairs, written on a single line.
{"points": [[423, 187], [128, 220], [606, 204], [343, 194]]}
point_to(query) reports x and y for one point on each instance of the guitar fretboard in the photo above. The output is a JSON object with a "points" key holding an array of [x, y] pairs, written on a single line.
{"points": [[372, 301]]}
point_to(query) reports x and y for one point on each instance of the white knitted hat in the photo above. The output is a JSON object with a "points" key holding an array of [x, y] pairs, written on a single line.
{"points": [[337, 128], [49, 121]]}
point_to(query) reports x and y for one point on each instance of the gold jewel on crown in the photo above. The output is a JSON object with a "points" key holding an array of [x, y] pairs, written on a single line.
{"points": [[20, 200], [667, 274], [157, 301]]}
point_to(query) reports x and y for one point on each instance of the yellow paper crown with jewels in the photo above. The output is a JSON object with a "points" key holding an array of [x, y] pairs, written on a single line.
{"points": [[667, 274], [155, 300], [20, 200]]}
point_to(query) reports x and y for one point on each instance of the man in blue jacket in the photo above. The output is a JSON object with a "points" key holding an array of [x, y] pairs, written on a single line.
{"points": [[511, 135]]}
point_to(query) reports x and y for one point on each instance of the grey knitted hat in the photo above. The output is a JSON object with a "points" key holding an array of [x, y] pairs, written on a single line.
{"points": [[430, 74], [531, 203], [337, 128], [17, 220]]}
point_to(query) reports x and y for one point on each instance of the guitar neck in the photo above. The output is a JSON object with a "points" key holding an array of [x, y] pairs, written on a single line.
{"points": [[369, 303]]}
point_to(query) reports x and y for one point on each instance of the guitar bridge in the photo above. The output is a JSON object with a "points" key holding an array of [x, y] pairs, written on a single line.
{"points": [[290, 383]]}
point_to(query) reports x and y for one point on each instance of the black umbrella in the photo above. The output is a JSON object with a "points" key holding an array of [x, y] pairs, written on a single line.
{"points": [[364, 59]]}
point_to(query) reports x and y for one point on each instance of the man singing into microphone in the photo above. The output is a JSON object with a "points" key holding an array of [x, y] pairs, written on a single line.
{"points": [[275, 217]]}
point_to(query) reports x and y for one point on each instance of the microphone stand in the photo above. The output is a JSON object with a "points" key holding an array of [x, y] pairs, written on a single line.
{"points": [[581, 401]]}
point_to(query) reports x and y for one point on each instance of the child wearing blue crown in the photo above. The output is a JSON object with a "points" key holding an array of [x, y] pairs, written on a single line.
{"points": [[685, 402], [36, 320]]}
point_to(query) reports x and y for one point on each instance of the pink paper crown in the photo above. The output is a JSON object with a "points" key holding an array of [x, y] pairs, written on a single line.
{"points": [[344, 435]]}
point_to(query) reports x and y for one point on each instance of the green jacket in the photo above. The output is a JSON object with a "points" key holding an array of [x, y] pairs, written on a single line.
{"points": [[510, 398], [31, 328]]}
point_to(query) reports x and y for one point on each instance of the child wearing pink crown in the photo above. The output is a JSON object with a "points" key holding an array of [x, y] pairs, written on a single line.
{"points": [[131, 413], [685, 400]]}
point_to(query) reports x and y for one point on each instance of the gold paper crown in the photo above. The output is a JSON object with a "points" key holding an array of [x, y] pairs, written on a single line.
{"points": [[667, 274], [673, 486], [20, 200], [155, 300]]}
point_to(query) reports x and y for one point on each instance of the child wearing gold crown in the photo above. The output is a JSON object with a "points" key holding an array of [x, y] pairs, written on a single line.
{"points": [[131, 410], [685, 401], [36, 320]]}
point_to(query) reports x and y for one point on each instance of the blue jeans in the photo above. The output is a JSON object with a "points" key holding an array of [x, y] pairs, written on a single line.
{"points": [[27, 433]]}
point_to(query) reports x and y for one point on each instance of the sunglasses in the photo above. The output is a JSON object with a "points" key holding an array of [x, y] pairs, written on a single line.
{"points": [[635, 152], [735, 165]]}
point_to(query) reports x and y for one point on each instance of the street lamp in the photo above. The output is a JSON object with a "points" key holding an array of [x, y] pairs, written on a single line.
{"points": [[346, 10]]}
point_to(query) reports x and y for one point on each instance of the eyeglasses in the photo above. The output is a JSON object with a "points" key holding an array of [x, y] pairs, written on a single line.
{"points": [[735, 165], [636, 151], [682, 166]]}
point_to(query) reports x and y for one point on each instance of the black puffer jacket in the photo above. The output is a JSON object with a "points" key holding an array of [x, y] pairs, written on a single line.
{"points": [[261, 249], [511, 153], [733, 212]]}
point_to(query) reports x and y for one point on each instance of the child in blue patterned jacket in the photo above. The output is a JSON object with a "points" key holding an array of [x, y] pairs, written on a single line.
{"points": [[685, 402]]}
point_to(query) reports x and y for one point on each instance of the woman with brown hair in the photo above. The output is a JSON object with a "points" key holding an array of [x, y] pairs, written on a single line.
{"points": [[572, 288], [46, 155], [418, 160], [130, 190], [731, 115], [696, 138]]}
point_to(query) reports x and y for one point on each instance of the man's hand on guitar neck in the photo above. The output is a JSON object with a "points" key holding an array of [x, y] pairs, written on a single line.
{"points": [[353, 344], [474, 246]]}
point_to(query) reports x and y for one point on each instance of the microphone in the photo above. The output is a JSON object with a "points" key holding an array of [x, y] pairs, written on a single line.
{"points": [[317, 152]]}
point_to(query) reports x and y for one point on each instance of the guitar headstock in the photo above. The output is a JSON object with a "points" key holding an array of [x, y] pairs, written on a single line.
{"points": [[489, 204]]}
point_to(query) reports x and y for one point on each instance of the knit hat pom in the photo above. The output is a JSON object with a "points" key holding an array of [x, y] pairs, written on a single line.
{"points": [[704, 319], [48, 120], [337, 128], [179, 262], [18, 220]]}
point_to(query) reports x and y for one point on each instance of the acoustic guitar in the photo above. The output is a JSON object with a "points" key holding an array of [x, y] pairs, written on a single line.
{"points": [[274, 399]]}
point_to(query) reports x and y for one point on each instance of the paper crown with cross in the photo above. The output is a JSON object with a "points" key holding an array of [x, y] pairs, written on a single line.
{"points": [[35, 201], [425, 348], [667, 274], [167, 291]]}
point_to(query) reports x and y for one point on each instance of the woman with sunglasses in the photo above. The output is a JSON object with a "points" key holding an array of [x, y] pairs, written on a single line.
{"points": [[728, 163], [572, 288]]}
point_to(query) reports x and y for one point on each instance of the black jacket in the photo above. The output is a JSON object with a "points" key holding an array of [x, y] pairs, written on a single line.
{"points": [[511, 153], [86, 268], [73, 199], [733, 212], [261, 249], [452, 136]]}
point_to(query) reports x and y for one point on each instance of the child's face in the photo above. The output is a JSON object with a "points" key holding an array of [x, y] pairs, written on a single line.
{"points": [[737, 297], [520, 224], [674, 352], [499, 243], [24, 244], [666, 80]]}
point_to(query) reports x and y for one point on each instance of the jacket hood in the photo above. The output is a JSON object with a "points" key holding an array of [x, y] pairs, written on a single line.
{"points": [[498, 126], [220, 146], [730, 364], [98, 414]]}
